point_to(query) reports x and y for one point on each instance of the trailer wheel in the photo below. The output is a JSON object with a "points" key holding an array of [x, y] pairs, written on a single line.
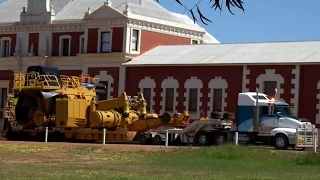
{"points": [[56, 136], [144, 140], [202, 139], [157, 140], [10, 135], [219, 139], [281, 142]]}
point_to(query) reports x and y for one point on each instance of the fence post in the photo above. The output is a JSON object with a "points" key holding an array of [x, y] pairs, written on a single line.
{"points": [[104, 136], [315, 139], [237, 138], [46, 135], [167, 137]]}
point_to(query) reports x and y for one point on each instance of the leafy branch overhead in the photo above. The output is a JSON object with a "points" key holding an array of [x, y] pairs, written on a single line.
{"points": [[216, 4]]}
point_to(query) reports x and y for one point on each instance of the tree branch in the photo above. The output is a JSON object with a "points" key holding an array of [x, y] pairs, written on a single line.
{"points": [[217, 4]]}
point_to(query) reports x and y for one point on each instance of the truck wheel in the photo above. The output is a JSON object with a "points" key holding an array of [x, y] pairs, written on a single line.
{"points": [[219, 139], [157, 140], [144, 140], [202, 139], [281, 142]]}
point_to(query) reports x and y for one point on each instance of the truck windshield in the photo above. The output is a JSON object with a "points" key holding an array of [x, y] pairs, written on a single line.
{"points": [[284, 110]]}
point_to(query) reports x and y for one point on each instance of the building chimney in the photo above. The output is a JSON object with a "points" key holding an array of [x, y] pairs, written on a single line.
{"points": [[38, 7]]}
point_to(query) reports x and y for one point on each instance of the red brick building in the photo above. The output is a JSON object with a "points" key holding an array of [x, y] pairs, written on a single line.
{"points": [[104, 38], [210, 76]]}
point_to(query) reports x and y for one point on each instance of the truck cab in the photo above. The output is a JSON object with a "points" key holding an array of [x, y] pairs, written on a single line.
{"points": [[271, 121]]}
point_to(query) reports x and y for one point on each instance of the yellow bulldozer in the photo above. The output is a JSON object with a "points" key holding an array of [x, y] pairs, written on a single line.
{"points": [[67, 106]]}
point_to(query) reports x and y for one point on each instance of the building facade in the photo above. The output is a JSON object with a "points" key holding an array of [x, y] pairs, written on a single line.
{"points": [[209, 77], [89, 37]]}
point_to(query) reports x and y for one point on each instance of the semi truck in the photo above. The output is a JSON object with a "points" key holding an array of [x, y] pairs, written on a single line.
{"points": [[259, 120]]}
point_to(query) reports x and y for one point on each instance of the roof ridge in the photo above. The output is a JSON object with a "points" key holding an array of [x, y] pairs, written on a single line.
{"points": [[262, 42]]}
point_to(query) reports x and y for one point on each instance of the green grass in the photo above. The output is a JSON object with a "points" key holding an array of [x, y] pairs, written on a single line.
{"points": [[223, 162]]}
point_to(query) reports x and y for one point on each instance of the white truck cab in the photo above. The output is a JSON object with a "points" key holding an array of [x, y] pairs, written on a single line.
{"points": [[271, 121]]}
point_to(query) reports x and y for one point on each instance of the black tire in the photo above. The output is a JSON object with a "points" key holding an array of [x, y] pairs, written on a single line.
{"points": [[144, 140], [56, 137], [219, 139], [202, 139], [228, 116], [216, 115], [165, 118], [10, 135], [157, 140], [281, 142], [177, 141]]}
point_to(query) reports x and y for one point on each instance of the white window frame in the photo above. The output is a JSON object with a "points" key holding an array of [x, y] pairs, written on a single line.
{"points": [[2, 40], [139, 41], [198, 41], [61, 38], [80, 43], [101, 30]]}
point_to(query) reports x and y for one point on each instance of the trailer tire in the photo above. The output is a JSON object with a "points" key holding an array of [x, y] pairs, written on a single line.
{"points": [[144, 140], [281, 142], [216, 115], [219, 139], [10, 135], [202, 139], [228, 115], [56, 137], [157, 140]]}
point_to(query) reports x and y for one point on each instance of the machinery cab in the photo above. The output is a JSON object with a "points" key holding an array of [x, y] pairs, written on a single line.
{"points": [[53, 78]]}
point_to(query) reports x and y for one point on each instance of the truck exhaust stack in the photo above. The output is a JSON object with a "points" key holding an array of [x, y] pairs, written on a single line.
{"points": [[256, 114]]}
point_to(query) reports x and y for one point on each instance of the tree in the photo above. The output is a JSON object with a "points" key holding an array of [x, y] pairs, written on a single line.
{"points": [[216, 4]]}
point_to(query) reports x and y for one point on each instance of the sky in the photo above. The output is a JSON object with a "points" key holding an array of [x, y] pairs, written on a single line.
{"points": [[263, 20]]}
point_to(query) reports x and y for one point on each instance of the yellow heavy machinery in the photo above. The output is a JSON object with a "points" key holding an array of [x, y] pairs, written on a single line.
{"points": [[67, 106]]}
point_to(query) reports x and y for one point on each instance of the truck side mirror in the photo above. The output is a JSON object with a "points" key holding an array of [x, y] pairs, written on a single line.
{"points": [[270, 109]]}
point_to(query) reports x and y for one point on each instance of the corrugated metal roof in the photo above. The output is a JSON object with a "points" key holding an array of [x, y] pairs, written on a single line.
{"points": [[239, 53], [10, 9], [148, 8], [75, 9]]}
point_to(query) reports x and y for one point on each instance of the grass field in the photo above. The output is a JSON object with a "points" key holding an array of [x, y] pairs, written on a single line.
{"points": [[224, 162]]}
